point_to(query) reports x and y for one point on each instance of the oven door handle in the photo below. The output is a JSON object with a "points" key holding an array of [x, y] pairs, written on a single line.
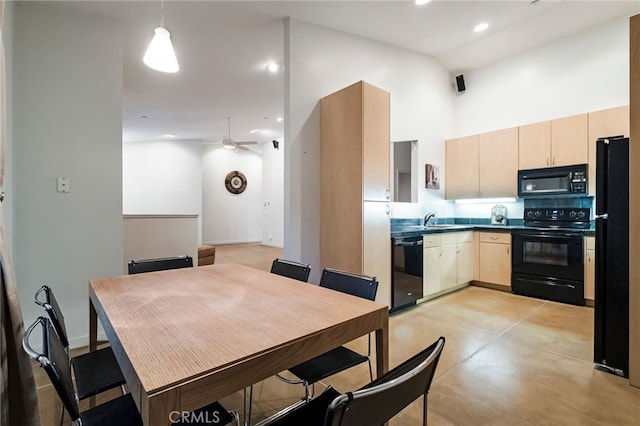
{"points": [[549, 235], [407, 243]]}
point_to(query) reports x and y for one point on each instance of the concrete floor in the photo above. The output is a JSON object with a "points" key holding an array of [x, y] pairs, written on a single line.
{"points": [[508, 360]]}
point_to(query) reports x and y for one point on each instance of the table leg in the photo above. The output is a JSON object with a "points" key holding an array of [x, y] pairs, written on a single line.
{"points": [[93, 327], [382, 350], [93, 339]]}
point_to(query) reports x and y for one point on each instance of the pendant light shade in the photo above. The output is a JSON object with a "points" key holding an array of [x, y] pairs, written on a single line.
{"points": [[160, 54]]}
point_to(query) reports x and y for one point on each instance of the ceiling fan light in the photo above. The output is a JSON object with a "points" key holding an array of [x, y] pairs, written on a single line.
{"points": [[160, 54], [229, 146]]}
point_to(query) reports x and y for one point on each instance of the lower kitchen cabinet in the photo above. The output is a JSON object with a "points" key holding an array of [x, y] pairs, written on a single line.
{"points": [[448, 262], [494, 258], [589, 269]]}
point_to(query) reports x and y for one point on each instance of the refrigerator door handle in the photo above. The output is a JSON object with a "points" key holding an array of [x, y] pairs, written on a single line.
{"points": [[602, 216]]}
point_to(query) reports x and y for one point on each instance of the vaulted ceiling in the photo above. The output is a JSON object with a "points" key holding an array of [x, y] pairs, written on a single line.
{"points": [[223, 47]]}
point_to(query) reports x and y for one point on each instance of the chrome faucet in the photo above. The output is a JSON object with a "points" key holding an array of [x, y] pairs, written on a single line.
{"points": [[427, 218]]}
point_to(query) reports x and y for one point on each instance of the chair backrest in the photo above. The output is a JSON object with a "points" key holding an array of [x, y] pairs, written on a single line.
{"points": [[380, 400], [50, 304], [288, 268], [55, 362], [162, 264], [347, 282]]}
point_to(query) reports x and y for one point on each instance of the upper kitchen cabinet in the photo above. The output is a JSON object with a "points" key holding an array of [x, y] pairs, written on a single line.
{"points": [[559, 142], [569, 140], [354, 183], [462, 168], [499, 163], [607, 122], [534, 145]]}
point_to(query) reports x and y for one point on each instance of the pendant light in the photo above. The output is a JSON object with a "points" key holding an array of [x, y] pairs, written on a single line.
{"points": [[160, 54]]}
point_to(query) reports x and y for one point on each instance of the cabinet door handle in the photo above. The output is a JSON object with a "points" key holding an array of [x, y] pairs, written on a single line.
{"points": [[494, 238], [458, 249], [547, 161], [387, 194], [508, 250], [588, 257], [439, 252], [553, 161], [387, 209]]}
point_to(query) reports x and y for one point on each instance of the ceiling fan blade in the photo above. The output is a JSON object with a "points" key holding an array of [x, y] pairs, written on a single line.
{"points": [[246, 143]]}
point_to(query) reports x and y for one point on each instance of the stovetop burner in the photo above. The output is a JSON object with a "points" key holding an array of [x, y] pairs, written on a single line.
{"points": [[555, 217]]}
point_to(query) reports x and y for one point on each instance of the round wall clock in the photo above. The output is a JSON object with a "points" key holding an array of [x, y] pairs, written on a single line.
{"points": [[235, 182]]}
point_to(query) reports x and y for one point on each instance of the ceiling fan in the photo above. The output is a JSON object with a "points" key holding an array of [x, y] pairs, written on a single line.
{"points": [[229, 143]]}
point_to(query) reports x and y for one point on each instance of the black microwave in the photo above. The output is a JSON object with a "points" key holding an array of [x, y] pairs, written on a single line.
{"points": [[553, 182]]}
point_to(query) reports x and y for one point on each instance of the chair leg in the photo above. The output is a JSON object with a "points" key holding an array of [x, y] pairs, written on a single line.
{"points": [[370, 369], [247, 407], [62, 416], [424, 410]]}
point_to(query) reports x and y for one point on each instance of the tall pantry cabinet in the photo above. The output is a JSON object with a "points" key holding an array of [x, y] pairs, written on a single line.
{"points": [[354, 183]]}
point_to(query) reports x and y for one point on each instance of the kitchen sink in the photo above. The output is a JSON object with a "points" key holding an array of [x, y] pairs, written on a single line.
{"points": [[426, 228]]}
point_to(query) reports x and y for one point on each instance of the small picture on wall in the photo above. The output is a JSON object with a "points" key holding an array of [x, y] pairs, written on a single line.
{"points": [[432, 176]]}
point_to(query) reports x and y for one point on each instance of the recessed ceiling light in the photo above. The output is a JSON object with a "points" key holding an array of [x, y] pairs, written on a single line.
{"points": [[481, 27], [272, 67], [254, 131], [170, 135], [422, 2], [279, 119]]}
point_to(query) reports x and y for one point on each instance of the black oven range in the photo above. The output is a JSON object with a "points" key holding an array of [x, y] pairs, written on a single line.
{"points": [[547, 256]]}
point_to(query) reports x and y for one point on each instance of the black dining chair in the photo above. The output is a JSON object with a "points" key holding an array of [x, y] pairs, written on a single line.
{"points": [[160, 264], [375, 403], [341, 358], [121, 411], [288, 268], [95, 372]]}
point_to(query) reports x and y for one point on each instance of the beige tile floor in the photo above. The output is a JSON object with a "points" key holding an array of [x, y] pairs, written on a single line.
{"points": [[508, 360]]}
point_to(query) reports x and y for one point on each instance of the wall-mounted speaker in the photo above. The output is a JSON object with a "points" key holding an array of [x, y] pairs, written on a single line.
{"points": [[460, 83], [276, 144]]}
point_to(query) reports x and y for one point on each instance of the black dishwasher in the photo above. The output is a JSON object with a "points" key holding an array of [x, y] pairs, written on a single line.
{"points": [[406, 279]]}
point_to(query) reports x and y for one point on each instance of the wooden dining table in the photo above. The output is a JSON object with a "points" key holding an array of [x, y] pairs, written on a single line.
{"points": [[187, 337]]}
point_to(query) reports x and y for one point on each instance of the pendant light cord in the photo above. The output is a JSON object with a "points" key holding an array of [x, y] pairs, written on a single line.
{"points": [[162, 13]]}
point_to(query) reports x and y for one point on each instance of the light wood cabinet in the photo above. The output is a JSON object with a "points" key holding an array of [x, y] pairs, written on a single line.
{"points": [[559, 142], [494, 258], [534, 145], [569, 140], [607, 122], [465, 252], [354, 183], [589, 270], [462, 168], [498, 156], [431, 274], [484, 165], [447, 263]]}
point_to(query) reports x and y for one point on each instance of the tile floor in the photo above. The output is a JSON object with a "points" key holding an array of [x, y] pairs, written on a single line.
{"points": [[508, 360]]}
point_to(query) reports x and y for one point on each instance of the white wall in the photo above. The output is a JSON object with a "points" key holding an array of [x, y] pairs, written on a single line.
{"points": [[273, 194], [162, 177], [6, 211], [67, 121], [231, 218], [320, 61], [585, 72]]}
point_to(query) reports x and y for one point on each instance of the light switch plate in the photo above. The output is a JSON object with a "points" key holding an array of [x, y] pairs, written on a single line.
{"points": [[64, 184]]}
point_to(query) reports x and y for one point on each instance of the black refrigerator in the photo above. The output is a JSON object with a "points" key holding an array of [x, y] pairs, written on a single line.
{"points": [[611, 340]]}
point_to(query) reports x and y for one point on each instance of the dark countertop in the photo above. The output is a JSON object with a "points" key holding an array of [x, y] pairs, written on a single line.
{"points": [[415, 230]]}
